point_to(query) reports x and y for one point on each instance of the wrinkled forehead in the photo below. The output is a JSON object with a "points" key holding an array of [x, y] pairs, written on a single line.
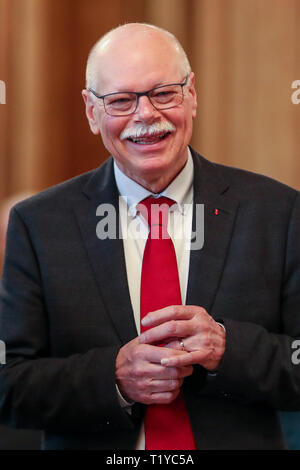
{"points": [[137, 62]]}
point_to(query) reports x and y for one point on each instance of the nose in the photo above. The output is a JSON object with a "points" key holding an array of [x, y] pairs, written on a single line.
{"points": [[145, 110]]}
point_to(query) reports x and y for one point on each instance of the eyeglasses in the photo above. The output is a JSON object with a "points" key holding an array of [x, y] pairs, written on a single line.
{"points": [[125, 103]]}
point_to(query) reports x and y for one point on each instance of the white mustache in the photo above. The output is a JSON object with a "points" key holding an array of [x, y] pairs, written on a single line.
{"points": [[140, 130]]}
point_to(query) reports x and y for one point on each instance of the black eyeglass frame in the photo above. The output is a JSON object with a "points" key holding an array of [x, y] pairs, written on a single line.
{"points": [[138, 94]]}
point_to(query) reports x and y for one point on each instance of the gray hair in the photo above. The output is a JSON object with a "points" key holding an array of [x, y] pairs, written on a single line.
{"points": [[91, 70]]}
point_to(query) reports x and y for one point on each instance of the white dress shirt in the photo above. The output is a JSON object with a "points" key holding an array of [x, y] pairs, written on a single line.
{"points": [[135, 231]]}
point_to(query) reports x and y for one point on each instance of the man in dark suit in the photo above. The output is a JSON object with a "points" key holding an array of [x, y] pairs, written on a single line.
{"points": [[77, 366]]}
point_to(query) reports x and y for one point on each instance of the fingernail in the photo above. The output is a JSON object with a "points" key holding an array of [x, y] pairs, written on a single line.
{"points": [[164, 361], [145, 321]]}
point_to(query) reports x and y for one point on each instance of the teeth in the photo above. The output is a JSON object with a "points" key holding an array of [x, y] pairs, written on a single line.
{"points": [[148, 140]]}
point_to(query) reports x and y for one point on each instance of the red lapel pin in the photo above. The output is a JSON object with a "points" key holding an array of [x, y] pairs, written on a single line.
{"points": [[216, 211]]}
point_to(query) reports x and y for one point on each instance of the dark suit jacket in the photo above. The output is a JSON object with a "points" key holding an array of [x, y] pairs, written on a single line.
{"points": [[65, 311]]}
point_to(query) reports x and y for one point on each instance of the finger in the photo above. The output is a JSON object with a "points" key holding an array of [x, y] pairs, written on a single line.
{"points": [[176, 372], [163, 398], [177, 312], [154, 354], [176, 344], [195, 357], [157, 386], [160, 372], [167, 332], [147, 363]]}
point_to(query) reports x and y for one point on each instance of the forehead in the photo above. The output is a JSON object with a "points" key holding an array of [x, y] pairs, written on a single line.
{"points": [[138, 63]]}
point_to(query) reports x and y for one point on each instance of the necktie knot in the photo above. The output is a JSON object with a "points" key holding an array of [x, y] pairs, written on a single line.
{"points": [[156, 211]]}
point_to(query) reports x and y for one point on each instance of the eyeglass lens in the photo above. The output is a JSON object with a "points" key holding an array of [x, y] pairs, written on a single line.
{"points": [[161, 98]]}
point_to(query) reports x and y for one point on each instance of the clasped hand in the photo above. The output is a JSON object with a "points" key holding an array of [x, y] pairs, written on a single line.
{"points": [[148, 373]]}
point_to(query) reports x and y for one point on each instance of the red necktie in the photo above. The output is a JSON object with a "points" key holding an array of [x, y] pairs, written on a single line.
{"points": [[167, 427]]}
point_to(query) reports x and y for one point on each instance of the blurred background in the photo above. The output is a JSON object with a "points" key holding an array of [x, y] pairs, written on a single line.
{"points": [[245, 54]]}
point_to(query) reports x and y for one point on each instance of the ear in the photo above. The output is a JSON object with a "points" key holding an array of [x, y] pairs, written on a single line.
{"points": [[193, 94], [90, 111]]}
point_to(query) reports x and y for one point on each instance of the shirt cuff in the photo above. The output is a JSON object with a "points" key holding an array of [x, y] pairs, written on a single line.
{"points": [[213, 373], [124, 403]]}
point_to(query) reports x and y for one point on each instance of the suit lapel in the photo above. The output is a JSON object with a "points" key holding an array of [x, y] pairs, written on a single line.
{"points": [[107, 255], [207, 264]]}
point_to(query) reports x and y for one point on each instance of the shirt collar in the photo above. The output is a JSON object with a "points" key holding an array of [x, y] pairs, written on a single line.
{"points": [[180, 189]]}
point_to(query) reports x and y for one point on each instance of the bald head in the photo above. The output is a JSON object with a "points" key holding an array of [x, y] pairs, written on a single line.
{"points": [[132, 38]]}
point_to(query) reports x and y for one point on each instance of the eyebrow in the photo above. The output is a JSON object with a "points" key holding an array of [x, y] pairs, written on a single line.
{"points": [[124, 90]]}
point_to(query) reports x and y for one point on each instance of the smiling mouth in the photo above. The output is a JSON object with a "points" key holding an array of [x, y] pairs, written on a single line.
{"points": [[149, 139]]}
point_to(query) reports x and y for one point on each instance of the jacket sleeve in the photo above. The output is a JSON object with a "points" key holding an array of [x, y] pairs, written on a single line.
{"points": [[37, 390], [261, 365]]}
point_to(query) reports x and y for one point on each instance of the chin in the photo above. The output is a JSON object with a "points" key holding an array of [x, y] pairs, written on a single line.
{"points": [[153, 163]]}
